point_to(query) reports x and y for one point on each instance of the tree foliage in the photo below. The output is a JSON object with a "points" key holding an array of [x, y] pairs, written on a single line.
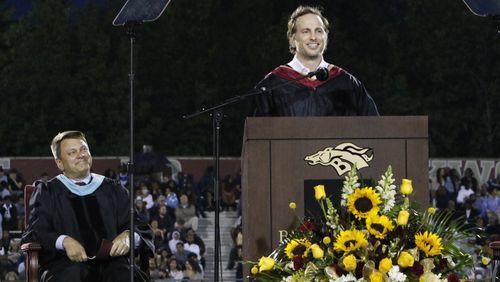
{"points": [[66, 67]]}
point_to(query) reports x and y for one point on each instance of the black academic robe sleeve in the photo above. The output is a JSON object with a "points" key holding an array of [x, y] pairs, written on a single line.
{"points": [[41, 227]]}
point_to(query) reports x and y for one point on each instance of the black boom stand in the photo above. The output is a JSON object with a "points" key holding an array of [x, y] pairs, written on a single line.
{"points": [[133, 13]]}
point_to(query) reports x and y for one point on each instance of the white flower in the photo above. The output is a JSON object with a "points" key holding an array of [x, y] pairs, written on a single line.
{"points": [[350, 183], [345, 278], [395, 275], [387, 190], [431, 277]]}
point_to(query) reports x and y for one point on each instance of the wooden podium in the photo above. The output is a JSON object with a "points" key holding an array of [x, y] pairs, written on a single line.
{"points": [[276, 173]]}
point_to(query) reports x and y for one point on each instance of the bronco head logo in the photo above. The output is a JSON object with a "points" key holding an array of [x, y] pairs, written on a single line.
{"points": [[342, 157]]}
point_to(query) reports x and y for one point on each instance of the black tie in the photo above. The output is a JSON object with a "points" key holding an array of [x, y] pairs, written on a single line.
{"points": [[80, 183]]}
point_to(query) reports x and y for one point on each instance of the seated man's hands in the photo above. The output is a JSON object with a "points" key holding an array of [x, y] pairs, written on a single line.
{"points": [[74, 250], [121, 244]]}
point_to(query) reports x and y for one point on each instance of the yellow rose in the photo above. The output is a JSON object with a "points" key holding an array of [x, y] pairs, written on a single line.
{"points": [[485, 260], [431, 210], [327, 240], [292, 205], [254, 270], [266, 263], [317, 251], [349, 263], [405, 259], [385, 265], [403, 217], [406, 188], [319, 192], [376, 276]]}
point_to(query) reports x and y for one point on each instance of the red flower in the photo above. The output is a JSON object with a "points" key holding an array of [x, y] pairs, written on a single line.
{"points": [[307, 226], [453, 278], [298, 262]]}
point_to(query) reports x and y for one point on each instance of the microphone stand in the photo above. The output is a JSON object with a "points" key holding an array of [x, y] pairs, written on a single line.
{"points": [[217, 116]]}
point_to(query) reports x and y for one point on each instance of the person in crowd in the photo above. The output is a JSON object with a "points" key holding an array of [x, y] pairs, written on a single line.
{"points": [[165, 221], [9, 214], [81, 219], [172, 243], [185, 214], [4, 190], [171, 199], [191, 246], [174, 271], [464, 193], [159, 235], [468, 179], [194, 270], [140, 209], [155, 273], [146, 195], [15, 182], [334, 93], [180, 254], [228, 194]]}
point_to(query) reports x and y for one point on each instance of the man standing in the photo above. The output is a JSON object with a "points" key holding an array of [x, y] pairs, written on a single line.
{"points": [[339, 94], [81, 219]]}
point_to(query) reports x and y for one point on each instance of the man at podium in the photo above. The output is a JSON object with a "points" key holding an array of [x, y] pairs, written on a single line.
{"points": [[307, 85]]}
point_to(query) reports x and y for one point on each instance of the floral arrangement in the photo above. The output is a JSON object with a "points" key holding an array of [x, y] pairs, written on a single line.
{"points": [[375, 235]]}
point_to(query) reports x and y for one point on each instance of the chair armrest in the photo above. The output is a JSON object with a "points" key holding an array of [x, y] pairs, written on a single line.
{"points": [[495, 245], [32, 250], [31, 246]]}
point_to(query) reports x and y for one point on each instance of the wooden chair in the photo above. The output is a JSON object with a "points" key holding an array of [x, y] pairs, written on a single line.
{"points": [[31, 249]]}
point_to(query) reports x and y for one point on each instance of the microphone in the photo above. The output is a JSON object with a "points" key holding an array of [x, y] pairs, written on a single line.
{"points": [[321, 74]]}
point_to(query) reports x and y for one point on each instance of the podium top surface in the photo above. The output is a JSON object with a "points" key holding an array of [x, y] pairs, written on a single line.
{"points": [[359, 127]]}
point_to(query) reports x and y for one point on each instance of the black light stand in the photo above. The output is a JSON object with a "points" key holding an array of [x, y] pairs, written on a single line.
{"points": [[133, 13]]}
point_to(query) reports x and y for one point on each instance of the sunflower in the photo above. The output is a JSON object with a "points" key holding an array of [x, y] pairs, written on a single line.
{"points": [[349, 240], [364, 202], [429, 243], [297, 247], [379, 226]]}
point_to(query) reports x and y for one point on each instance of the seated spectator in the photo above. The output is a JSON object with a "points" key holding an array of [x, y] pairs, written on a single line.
{"points": [[470, 213], [442, 197], [4, 190], [491, 203], [174, 272], [21, 213], [155, 272], [146, 196], [171, 201], [185, 214], [191, 246], [181, 255], [165, 221], [9, 215], [464, 193], [194, 270], [140, 207], [228, 194], [159, 235], [172, 243], [15, 182]]}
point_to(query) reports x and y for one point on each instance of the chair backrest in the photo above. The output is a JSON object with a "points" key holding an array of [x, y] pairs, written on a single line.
{"points": [[28, 191]]}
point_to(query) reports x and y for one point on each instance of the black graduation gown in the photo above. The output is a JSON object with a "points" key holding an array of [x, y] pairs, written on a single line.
{"points": [[340, 95], [54, 211]]}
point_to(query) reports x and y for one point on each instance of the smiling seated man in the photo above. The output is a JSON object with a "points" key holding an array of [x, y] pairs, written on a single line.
{"points": [[81, 219], [339, 94]]}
